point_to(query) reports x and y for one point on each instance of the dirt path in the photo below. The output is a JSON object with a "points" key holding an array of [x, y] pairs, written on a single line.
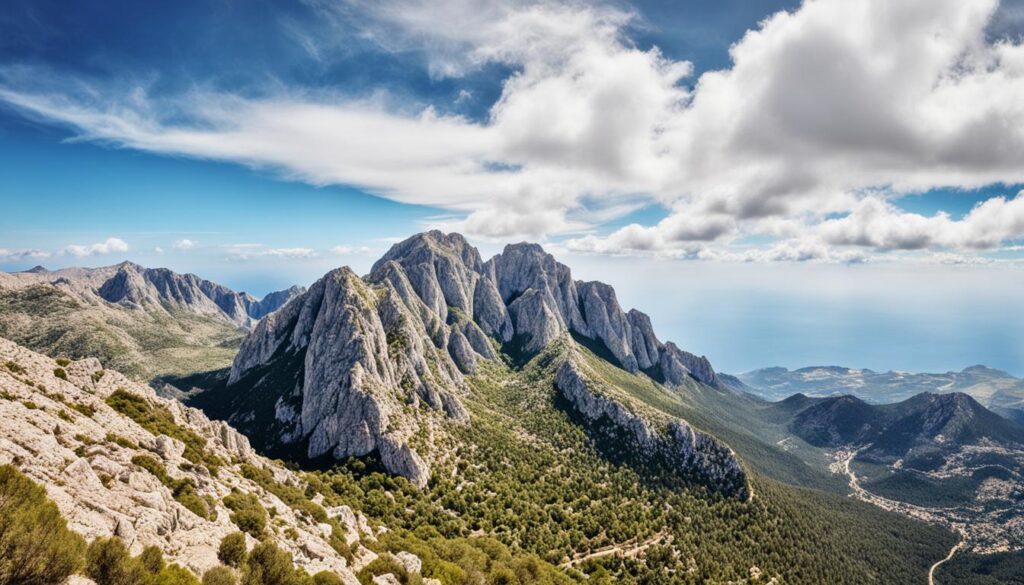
{"points": [[952, 551], [624, 549]]}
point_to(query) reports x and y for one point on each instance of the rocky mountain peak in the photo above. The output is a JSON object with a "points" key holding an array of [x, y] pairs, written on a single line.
{"points": [[362, 351]]}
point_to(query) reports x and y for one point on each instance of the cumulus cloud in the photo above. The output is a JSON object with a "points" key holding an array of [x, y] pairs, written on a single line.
{"points": [[108, 246], [876, 223], [823, 108], [184, 244], [7, 255]]}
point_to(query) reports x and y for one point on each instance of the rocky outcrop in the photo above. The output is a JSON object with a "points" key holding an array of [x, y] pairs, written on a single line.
{"points": [[62, 433], [362, 355], [692, 454], [676, 365], [367, 362]]}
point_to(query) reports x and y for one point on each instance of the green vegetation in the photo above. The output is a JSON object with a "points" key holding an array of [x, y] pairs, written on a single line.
{"points": [[60, 373], [293, 496], [159, 421], [63, 362], [247, 513], [528, 475], [220, 576], [36, 547], [14, 368], [108, 562], [141, 345], [269, 565], [232, 551], [995, 569], [86, 409], [183, 489], [385, 564]]}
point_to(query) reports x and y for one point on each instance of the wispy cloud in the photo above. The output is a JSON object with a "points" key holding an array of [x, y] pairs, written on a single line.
{"points": [[249, 251], [184, 244], [826, 115], [7, 255], [108, 246]]}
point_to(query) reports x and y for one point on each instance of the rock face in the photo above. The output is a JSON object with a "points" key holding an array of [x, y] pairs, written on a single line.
{"points": [[259, 309], [690, 453], [62, 433], [368, 370], [356, 366]]}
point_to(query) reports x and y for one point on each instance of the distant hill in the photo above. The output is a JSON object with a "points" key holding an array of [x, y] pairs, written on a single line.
{"points": [[994, 389], [144, 321]]}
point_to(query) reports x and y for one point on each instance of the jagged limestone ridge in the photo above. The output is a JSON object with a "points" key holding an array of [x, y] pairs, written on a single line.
{"points": [[651, 437], [373, 350]]}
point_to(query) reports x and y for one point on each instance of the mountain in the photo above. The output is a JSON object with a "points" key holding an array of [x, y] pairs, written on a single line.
{"points": [[914, 430], [144, 321], [442, 393], [356, 366], [995, 389], [943, 457], [273, 301]]}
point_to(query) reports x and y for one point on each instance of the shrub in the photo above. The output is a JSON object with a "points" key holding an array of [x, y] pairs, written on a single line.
{"points": [[175, 575], [220, 576], [60, 373], [383, 565], [159, 421], [62, 362], [36, 547], [108, 563], [247, 513], [152, 559], [14, 368], [232, 550], [327, 578], [183, 490], [269, 565], [86, 409]]}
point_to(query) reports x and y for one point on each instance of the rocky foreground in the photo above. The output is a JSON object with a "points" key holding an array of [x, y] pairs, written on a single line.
{"points": [[87, 435]]}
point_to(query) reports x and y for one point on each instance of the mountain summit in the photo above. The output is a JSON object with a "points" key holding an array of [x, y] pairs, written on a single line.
{"points": [[357, 366]]}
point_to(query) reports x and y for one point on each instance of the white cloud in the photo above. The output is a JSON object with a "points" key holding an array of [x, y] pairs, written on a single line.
{"points": [[249, 251], [184, 244], [349, 250], [832, 109], [108, 246], [7, 255], [878, 224]]}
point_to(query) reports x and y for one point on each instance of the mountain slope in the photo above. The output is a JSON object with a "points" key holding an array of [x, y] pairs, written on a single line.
{"points": [[71, 429], [145, 322], [995, 389]]}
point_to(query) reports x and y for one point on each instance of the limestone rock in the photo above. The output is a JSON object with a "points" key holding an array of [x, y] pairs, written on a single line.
{"points": [[691, 453], [103, 493]]}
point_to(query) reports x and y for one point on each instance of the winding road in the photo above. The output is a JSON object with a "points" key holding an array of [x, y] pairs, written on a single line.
{"points": [[920, 512], [952, 551]]}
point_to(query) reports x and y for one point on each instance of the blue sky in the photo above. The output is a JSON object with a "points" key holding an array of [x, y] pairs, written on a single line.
{"points": [[696, 143]]}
